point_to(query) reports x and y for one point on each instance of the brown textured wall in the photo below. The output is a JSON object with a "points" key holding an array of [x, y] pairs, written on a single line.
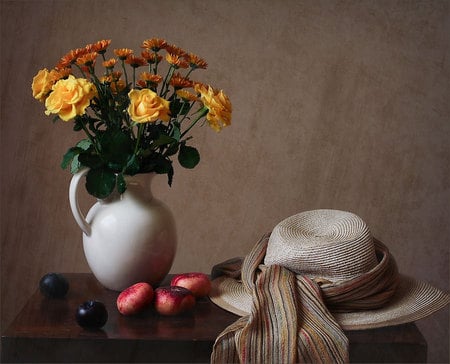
{"points": [[337, 104]]}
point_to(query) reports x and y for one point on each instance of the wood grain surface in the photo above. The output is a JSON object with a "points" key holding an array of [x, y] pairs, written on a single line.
{"points": [[46, 331]]}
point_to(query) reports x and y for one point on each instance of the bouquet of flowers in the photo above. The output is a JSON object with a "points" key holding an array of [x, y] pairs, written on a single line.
{"points": [[134, 123]]}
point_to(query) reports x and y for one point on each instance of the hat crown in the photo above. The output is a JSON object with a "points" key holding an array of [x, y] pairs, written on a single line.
{"points": [[330, 244]]}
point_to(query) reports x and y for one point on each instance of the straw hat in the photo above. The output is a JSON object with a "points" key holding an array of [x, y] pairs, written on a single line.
{"points": [[334, 246]]}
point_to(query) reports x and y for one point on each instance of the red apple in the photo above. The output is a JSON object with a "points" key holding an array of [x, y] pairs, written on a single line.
{"points": [[135, 298], [198, 283], [173, 300]]}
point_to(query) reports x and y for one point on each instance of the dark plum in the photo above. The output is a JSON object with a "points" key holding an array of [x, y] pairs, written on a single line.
{"points": [[91, 315], [53, 285]]}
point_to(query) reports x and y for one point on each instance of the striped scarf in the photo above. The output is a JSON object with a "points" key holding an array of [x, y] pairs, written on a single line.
{"points": [[290, 321]]}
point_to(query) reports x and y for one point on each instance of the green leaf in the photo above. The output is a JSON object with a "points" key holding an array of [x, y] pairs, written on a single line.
{"points": [[178, 107], [162, 165], [116, 147], [188, 156], [132, 166], [173, 149], [75, 166], [170, 174], [88, 159], [121, 183], [78, 124], [69, 155], [100, 182], [84, 144], [176, 132], [175, 107], [163, 139]]}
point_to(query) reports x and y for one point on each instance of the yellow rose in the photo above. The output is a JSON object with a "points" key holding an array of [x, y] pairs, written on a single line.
{"points": [[218, 105], [42, 85], [147, 106], [70, 97]]}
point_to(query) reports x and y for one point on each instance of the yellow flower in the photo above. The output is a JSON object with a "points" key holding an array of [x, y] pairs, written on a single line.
{"points": [[147, 106], [70, 97], [218, 105], [42, 85], [44, 80]]}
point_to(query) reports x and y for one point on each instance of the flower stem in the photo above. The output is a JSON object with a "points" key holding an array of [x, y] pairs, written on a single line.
{"points": [[187, 112], [165, 86], [89, 135], [138, 141], [81, 70], [155, 70], [203, 111], [125, 72]]}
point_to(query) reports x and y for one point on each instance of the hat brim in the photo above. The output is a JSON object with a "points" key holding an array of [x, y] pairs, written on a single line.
{"points": [[413, 300]]}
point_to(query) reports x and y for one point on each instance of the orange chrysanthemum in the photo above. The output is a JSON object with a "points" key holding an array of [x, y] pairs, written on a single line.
{"points": [[87, 59], [107, 79], [135, 62], [123, 53], [196, 62], [178, 81], [149, 80], [116, 75], [173, 49], [118, 86], [176, 61], [151, 57], [58, 74], [65, 61], [100, 46], [110, 63], [186, 95], [142, 84], [155, 44], [147, 76], [112, 77], [71, 57]]}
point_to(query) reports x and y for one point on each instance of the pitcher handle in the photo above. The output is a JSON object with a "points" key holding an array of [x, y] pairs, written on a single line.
{"points": [[74, 205]]}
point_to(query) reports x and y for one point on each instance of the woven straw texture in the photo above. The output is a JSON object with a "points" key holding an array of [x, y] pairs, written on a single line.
{"points": [[412, 301], [330, 244], [334, 247]]}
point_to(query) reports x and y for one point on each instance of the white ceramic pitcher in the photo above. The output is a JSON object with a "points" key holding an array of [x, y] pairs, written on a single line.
{"points": [[127, 238]]}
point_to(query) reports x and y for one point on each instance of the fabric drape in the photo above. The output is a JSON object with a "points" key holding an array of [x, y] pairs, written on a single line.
{"points": [[290, 320]]}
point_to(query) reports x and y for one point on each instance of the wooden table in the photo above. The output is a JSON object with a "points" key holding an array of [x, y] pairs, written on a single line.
{"points": [[46, 331]]}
